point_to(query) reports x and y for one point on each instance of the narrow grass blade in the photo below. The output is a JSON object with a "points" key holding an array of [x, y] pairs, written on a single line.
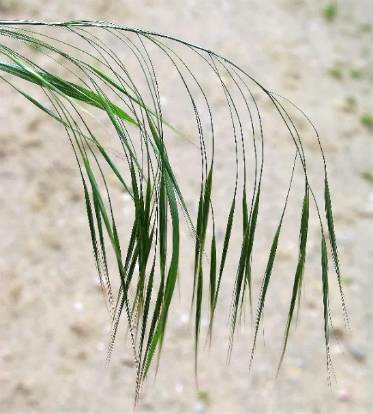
{"points": [[297, 284]]}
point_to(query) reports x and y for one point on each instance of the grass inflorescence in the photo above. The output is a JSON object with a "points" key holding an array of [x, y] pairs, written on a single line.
{"points": [[98, 81]]}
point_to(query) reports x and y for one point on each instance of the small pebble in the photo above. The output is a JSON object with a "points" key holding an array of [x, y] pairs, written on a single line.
{"points": [[337, 349], [183, 319], [357, 354], [343, 395], [127, 362], [78, 306], [34, 125], [126, 198], [82, 355], [96, 282], [338, 332], [79, 330], [163, 100], [199, 407], [23, 388]]}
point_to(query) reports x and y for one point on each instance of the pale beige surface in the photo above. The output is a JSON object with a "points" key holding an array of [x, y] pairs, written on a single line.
{"points": [[53, 323]]}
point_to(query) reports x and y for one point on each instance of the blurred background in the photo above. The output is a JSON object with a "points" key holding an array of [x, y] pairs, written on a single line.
{"points": [[53, 323]]}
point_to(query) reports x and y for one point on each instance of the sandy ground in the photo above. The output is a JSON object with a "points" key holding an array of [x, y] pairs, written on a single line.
{"points": [[53, 322]]}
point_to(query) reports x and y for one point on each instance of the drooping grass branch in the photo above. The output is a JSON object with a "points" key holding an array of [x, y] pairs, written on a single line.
{"points": [[100, 70]]}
